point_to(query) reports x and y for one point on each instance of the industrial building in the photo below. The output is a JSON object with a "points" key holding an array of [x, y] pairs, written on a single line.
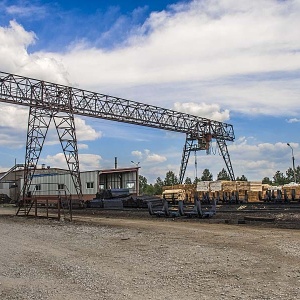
{"points": [[48, 181]]}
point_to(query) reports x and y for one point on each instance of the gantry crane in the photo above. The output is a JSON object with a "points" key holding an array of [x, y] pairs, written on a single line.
{"points": [[49, 101]]}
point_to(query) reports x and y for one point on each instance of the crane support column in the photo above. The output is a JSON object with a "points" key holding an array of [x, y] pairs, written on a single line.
{"points": [[225, 154], [38, 125], [188, 147], [65, 127]]}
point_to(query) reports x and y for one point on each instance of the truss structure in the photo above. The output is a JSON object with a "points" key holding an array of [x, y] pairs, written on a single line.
{"points": [[49, 100]]}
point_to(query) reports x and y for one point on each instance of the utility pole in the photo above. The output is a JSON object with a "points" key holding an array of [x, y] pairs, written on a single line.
{"points": [[293, 160], [137, 177]]}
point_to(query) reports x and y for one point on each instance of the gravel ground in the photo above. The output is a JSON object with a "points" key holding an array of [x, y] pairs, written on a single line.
{"points": [[109, 256]]}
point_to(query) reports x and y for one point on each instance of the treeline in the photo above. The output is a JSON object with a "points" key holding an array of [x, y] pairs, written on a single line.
{"points": [[279, 178], [172, 179]]}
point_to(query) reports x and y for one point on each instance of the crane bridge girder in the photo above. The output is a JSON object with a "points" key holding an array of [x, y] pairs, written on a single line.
{"points": [[50, 100]]}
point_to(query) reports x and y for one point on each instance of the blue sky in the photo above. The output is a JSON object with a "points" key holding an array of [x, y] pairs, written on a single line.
{"points": [[237, 62]]}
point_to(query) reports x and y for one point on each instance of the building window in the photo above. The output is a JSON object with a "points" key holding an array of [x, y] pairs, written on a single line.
{"points": [[130, 185], [61, 186], [38, 187], [90, 185]]}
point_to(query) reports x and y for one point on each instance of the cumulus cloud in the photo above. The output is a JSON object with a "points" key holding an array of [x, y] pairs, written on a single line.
{"points": [[209, 111], [147, 156], [190, 35], [13, 126], [13, 117], [137, 153], [85, 132], [83, 146], [196, 45], [87, 161], [155, 158], [259, 160], [13, 133], [14, 56]]}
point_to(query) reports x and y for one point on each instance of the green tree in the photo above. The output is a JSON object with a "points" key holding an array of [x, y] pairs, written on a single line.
{"points": [[158, 186], [279, 178], [196, 180], [206, 175], [267, 180], [149, 190], [188, 180], [143, 184], [223, 175], [242, 178], [290, 174], [171, 179]]}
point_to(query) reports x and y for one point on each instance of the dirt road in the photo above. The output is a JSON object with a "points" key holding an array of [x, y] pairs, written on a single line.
{"points": [[97, 257]]}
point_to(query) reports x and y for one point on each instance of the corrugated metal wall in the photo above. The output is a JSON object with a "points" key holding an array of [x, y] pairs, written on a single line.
{"points": [[4, 188], [49, 184]]}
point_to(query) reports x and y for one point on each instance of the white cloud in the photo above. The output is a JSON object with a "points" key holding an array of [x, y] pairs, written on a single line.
{"points": [[147, 156], [27, 10], [13, 117], [201, 50], [217, 41], [155, 158], [87, 161], [13, 125], [85, 132], [195, 46], [83, 146], [293, 120], [259, 160], [137, 153], [14, 57], [209, 111]]}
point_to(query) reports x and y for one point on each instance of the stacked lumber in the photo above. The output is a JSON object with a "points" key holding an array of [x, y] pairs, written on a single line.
{"points": [[289, 187], [229, 186], [189, 189], [243, 185], [255, 186], [253, 196], [216, 186], [203, 186]]}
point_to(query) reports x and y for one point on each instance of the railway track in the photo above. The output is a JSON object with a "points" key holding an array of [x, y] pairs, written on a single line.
{"points": [[260, 207]]}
